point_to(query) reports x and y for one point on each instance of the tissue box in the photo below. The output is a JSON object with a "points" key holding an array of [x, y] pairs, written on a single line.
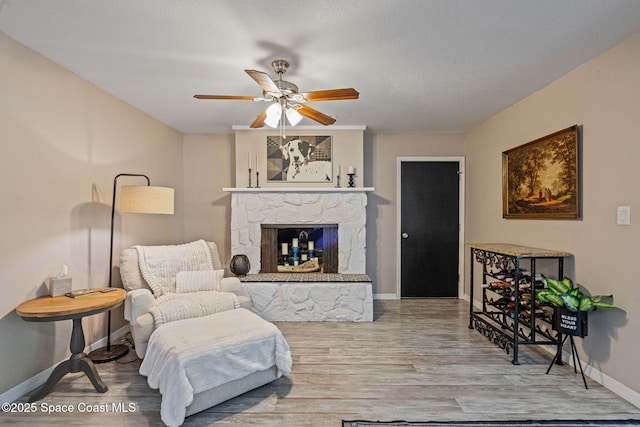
{"points": [[59, 285]]}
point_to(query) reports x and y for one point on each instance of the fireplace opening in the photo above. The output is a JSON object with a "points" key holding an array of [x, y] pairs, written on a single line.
{"points": [[295, 244]]}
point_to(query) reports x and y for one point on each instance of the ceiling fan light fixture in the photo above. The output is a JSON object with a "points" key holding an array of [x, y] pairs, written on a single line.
{"points": [[274, 113], [286, 100], [293, 116]]}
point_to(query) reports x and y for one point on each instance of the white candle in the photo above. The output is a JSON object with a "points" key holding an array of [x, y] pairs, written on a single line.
{"points": [[285, 248], [351, 170], [339, 170], [311, 247], [249, 159], [303, 257], [256, 162], [294, 243]]}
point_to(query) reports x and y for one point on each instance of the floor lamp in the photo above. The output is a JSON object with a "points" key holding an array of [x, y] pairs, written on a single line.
{"points": [[134, 199]]}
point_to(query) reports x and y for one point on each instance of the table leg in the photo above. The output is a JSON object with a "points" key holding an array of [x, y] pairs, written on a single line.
{"points": [[78, 362]]}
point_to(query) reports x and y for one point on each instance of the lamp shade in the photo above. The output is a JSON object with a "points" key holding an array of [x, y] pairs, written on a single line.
{"points": [[146, 199]]}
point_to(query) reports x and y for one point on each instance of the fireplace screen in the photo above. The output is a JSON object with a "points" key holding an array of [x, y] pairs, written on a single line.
{"points": [[293, 245]]}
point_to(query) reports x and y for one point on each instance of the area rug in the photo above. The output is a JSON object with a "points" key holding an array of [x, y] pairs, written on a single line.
{"points": [[547, 423]]}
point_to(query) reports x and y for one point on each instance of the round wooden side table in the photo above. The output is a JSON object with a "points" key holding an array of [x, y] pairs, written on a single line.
{"points": [[51, 309]]}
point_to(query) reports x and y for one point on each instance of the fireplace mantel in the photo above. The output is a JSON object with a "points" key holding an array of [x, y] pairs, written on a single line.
{"points": [[299, 190]]}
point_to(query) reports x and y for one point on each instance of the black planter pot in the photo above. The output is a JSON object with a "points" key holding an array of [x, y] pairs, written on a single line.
{"points": [[240, 265], [574, 323]]}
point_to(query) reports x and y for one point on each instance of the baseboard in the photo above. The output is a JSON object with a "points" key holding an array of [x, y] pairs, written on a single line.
{"points": [[615, 386], [37, 380], [384, 296]]}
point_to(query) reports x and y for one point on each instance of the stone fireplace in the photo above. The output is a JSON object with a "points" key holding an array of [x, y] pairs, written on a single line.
{"points": [[345, 208]]}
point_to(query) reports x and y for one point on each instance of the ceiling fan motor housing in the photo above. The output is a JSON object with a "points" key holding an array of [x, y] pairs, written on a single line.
{"points": [[280, 66], [286, 87]]}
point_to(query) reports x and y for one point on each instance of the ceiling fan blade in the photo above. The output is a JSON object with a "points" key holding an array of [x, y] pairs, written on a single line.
{"points": [[265, 82], [331, 95], [259, 121], [240, 97], [316, 115]]}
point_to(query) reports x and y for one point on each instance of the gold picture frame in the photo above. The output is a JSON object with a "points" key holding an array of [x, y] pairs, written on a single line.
{"points": [[541, 179]]}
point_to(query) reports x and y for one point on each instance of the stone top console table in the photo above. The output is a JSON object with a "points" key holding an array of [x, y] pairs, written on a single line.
{"points": [[523, 323], [518, 251]]}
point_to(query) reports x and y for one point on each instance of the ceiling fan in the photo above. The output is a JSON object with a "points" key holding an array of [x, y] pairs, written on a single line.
{"points": [[286, 100]]}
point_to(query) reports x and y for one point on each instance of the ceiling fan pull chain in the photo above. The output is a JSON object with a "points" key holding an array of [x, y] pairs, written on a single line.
{"points": [[282, 124]]}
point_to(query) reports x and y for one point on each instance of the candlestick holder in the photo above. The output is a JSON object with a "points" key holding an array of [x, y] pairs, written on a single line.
{"points": [[249, 178], [352, 181], [294, 259], [337, 181], [257, 179]]}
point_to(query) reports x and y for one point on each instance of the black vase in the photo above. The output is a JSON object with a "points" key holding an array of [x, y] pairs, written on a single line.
{"points": [[240, 265]]}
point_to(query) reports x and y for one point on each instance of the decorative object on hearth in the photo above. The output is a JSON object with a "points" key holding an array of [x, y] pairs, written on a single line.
{"points": [[285, 100], [306, 267], [541, 179], [570, 315], [311, 249], [146, 199], [294, 259], [240, 265]]}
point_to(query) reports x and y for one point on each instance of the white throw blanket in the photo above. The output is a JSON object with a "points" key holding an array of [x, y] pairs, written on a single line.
{"points": [[171, 307], [191, 356], [160, 264]]}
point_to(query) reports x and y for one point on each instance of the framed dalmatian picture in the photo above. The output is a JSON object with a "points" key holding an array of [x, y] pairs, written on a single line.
{"points": [[299, 159]]}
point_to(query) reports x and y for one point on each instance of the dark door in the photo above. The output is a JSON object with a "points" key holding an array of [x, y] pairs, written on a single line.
{"points": [[429, 228]]}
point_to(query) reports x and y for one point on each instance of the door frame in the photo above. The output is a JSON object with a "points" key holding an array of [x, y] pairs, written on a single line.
{"points": [[461, 218]]}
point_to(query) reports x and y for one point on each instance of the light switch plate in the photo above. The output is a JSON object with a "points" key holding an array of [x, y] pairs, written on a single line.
{"points": [[624, 215]]}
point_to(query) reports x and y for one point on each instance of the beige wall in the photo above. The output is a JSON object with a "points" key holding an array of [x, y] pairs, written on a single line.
{"points": [[62, 142], [381, 153], [209, 166], [604, 97]]}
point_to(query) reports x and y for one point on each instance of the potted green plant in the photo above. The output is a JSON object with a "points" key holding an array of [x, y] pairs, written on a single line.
{"points": [[572, 305]]}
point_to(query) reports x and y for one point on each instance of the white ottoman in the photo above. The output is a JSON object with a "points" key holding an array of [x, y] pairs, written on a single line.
{"points": [[198, 363]]}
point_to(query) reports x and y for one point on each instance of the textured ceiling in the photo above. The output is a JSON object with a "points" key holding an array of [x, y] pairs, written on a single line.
{"points": [[421, 66]]}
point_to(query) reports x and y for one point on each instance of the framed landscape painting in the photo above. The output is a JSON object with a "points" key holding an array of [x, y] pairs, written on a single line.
{"points": [[540, 179]]}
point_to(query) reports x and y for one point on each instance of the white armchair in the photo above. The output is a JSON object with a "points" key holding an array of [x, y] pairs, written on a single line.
{"points": [[141, 300]]}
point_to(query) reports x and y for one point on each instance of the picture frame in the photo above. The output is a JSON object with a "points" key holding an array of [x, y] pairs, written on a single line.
{"points": [[297, 159], [541, 179]]}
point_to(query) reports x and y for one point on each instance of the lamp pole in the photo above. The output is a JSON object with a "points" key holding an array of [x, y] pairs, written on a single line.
{"points": [[109, 353]]}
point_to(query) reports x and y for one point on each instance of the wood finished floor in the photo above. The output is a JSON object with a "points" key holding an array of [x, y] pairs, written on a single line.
{"points": [[417, 361]]}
